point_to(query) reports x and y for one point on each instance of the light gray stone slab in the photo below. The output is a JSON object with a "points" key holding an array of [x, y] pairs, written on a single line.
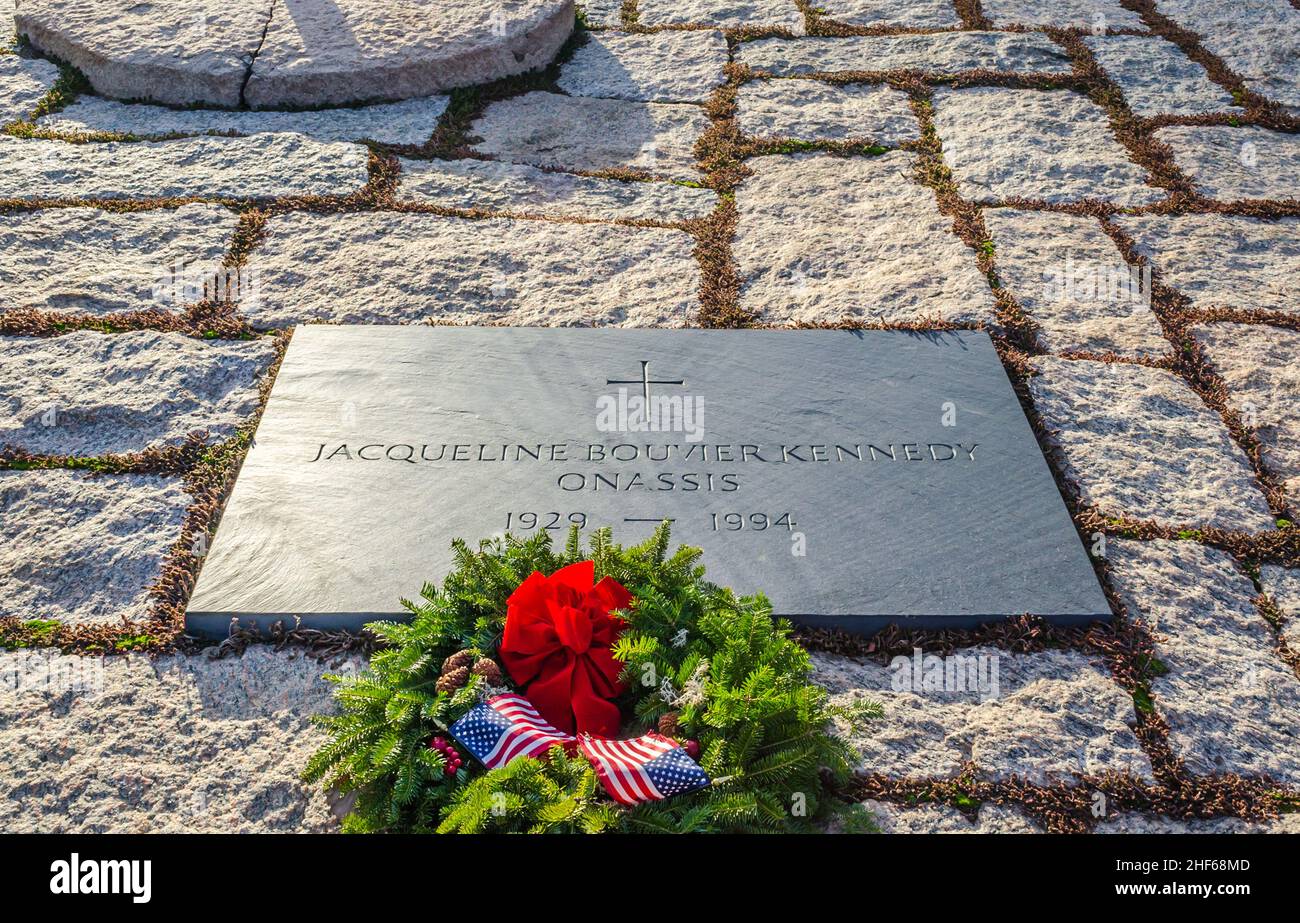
{"points": [[1283, 586], [1261, 366], [602, 14], [1259, 40], [371, 417], [812, 111], [294, 54], [725, 14], [1096, 15], [23, 81], [822, 238], [1157, 78], [401, 268], [935, 53], [660, 67], [1138, 442], [263, 166], [168, 745], [81, 548], [1141, 823], [582, 133], [1223, 261], [87, 393], [940, 818], [1229, 699], [1231, 164], [1073, 282], [1054, 145], [92, 261], [524, 190], [170, 51], [929, 14], [410, 122], [1046, 717]]}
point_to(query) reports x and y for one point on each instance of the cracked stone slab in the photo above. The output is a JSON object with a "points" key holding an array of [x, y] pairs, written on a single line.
{"points": [[1231, 164], [812, 111], [82, 548], [168, 745], [918, 14], [98, 262], [1259, 40], [940, 818], [301, 53], [587, 134], [1138, 442], [1073, 282], [404, 268], [23, 81], [262, 166], [1229, 699], [523, 190], [1223, 261], [409, 122], [1157, 78], [725, 14], [1261, 367], [1096, 15], [663, 67], [1054, 145], [1283, 585], [87, 393], [1045, 717], [935, 53], [822, 238]]}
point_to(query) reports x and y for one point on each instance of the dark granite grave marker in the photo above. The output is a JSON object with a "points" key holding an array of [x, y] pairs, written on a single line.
{"points": [[859, 478]]}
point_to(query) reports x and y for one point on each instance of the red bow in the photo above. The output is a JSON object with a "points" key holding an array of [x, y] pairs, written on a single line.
{"points": [[557, 640]]}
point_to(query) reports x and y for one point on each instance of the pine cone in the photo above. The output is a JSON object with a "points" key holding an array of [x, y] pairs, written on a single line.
{"points": [[453, 680], [457, 660], [668, 724], [489, 670]]}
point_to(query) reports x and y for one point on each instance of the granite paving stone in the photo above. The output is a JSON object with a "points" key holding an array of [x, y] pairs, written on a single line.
{"points": [[914, 14], [662, 67], [812, 111], [1157, 78], [1095, 15], [263, 166], [587, 134], [1141, 823], [1283, 586], [1073, 282], [410, 122], [1261, 367], [940, 818], [87, 393], [1231, 164], [23, 81], [1229, 699], [169, 745], [821, 238], [395, 268], [602, 14], [1259, 40], [934, 52], [88, 260], [521, 189], [726, 14], [1139, 442], [1047, 716], [1223, 261], [1054, 145], [80, 548]]}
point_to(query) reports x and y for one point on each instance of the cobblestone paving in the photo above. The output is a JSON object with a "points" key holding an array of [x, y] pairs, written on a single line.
{"points": [[1109, 187]]}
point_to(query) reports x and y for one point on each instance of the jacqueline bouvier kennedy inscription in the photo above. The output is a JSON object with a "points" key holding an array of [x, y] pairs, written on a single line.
{"points": [[862, 478]]}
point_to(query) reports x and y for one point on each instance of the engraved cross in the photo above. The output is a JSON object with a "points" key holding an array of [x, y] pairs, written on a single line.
{"points": [[645, 381]]}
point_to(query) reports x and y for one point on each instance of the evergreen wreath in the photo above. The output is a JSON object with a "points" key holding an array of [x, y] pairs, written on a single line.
{"points": [[699, 663]]}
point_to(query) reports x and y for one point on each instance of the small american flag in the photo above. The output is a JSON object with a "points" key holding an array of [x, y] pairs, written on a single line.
{"points": [[646, 768], [504, 727]]}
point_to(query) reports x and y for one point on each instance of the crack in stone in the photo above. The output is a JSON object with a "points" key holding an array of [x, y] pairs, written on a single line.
{"points": [[248, 73]]}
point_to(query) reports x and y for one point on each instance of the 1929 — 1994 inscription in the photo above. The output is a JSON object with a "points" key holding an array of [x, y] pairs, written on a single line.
{"points": [[859, 478]]}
